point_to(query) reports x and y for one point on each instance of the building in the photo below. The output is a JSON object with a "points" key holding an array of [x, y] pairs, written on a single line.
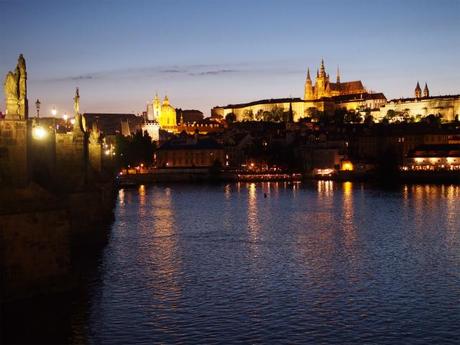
{"points": [[153, 129], [447, 107], [433, 157], [322, 95], [324, 88], [190, 153], [162, 113]]}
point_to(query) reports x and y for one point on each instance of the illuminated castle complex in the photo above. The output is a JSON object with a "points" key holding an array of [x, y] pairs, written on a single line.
{"points": [[322, 96]]}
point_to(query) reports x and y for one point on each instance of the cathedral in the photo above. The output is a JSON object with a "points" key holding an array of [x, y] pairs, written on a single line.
{"points": [[322, 95], [162, 113], [323, 88]]}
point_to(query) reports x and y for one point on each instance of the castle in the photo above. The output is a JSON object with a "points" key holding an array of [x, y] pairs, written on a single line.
{"points": [[322, 96], [323, 88]]}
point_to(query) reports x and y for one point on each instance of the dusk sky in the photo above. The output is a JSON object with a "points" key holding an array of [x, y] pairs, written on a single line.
{"points": [[207, 53]]}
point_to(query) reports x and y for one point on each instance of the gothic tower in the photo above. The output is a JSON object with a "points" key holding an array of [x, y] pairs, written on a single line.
{"points": [[426, 92], [321, 82], [156, 108], [418, 91], [308, 95]]}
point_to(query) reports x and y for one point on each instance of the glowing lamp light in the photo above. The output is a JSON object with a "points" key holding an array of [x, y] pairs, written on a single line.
{"points": [[347, 166], [72, 121], [65, 117], [53, 111], [39, 133]]}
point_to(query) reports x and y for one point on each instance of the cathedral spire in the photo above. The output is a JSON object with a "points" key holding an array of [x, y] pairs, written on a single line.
{"points": [[308, 74], [322, 69], [426, 92], [418, 91], [338, 75]]}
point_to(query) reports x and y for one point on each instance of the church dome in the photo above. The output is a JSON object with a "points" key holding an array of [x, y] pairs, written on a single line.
{"points": [[168, 114]]}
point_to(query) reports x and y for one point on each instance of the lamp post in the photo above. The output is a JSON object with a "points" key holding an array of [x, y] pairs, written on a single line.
{"points": [[38, 132], [37, 106]]}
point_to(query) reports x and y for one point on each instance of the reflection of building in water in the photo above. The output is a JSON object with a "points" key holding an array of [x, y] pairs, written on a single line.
{"points": [[348, 216], [163, 250], [253, 216], [325, 188]]}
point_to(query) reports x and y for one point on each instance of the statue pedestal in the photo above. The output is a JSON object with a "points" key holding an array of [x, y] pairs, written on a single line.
{"points": [[12, 109]]}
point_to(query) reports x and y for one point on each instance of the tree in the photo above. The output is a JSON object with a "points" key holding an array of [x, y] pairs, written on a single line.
{"points": [[134, 150], [369, 119], [259, 116], [248, 115], [230, 118]]}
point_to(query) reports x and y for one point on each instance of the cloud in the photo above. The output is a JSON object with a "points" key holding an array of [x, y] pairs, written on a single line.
{"points": [[214, 72], [82, 77], [197, 70]]}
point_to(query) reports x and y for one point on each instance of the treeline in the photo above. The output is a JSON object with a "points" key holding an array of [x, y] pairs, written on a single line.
{"points": [[135, 149]]}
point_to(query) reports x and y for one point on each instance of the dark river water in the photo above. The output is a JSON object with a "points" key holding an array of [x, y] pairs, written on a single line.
{"points": [[322, 263]]}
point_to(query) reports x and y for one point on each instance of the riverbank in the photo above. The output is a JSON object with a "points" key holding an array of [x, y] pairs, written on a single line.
{"points": [[202, 175]]}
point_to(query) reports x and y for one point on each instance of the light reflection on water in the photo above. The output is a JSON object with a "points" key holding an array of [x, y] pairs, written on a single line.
{"points": [[269, 262]]}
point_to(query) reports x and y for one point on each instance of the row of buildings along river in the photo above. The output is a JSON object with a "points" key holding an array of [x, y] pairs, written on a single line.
{"points": [[337, 128]]}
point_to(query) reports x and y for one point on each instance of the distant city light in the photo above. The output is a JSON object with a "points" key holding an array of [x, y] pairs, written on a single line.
{"points": [[53, 111], [65, 117]]}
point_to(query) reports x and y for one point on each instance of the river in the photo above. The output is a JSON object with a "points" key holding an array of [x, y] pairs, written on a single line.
{"points": [[320, 263]]}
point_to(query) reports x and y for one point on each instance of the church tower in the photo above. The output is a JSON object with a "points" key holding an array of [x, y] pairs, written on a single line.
{"points": [[426, 92], [418, 91], [338, 75], [321, 82], [308, 95], [156, 107]]}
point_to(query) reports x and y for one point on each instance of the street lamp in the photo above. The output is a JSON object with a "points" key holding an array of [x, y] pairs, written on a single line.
{"points": [[54, 111], [37, 106], [38, 132]]}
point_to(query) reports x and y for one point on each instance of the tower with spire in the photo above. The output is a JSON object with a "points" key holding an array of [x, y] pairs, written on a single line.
{"points": [[426, 92], [156, 107], [418, 91], [308, 95]]}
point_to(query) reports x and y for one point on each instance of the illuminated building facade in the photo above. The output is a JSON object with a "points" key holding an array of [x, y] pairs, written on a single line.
{"points": [[162, 113], [322, 95], [190, 153], [433, 157], [447, 107]]}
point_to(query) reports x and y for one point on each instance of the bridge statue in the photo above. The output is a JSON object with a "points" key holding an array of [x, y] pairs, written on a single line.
{"points": [[15, 87], [80, 122]]}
